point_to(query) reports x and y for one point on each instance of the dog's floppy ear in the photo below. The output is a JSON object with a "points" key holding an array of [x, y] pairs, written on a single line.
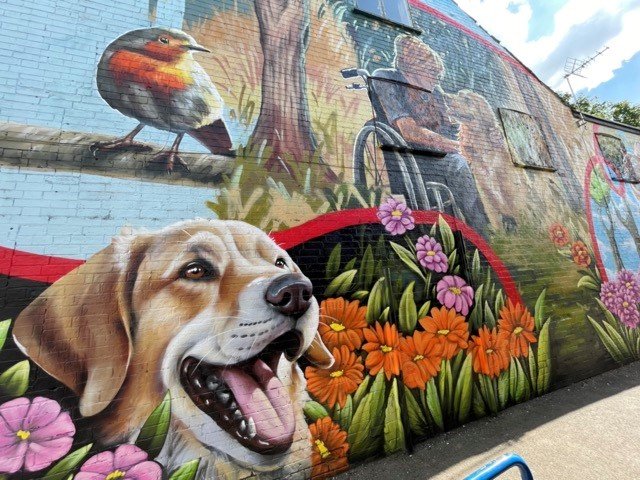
{"points": [[318, 353], [78, 330]]}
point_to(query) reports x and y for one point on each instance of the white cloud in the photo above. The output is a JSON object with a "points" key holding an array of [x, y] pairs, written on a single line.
{"points": [[581, 28]]}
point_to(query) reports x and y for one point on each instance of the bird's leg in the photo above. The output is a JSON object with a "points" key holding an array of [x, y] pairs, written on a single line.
{"points": [[121, 143], [170, 158]]}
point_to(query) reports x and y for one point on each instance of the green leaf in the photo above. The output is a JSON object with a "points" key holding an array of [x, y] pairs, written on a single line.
{"points": [[544, 360], [445, 386], [464, 391], [424, 309], [408, 314], [533, 370], [376, 301], [365, 431], [503, 390], [361, 392], [588, 283], [360, 295], [488, 393], [479, 406], [513, 380], [522, 388], [350, 264], [314, 411], [417, 421], [407, 258], [341, 284], [489, 318], [607, 342], [475, 266], [611, 320], [15, 380], [433, 404], [394, 440], [448, 240], [453, 258], [343, 415], [367, 268], [187, 471], [384, 316], [499, 304], [67, 465], [619, 341], [333, 264], [539, 311], [154, 431], [4, 330]]}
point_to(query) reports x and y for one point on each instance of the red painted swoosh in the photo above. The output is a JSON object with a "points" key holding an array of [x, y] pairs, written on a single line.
{"points": [[43, 268]]}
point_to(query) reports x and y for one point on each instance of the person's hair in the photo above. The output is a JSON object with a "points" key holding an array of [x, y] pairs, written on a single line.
{"points": [[416, 60]]}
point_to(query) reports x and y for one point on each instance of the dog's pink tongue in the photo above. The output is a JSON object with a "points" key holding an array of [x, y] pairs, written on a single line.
{"points": [[263, 397]]}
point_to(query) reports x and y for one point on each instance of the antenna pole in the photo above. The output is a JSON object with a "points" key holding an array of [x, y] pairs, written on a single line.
{"points": [[572, 67]]}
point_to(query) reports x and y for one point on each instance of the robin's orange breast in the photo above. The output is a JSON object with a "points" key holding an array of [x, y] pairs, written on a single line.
{"points": [[161, 77]]}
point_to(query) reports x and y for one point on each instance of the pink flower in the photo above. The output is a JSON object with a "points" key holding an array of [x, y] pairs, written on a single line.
{"points": [[128, 462], [453, 292], [608, 295], [33, 433], [396, 217], [627, 310], [628, 283], [430, 254]]}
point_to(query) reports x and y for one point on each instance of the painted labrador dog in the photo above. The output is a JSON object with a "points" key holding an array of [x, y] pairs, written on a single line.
{"points": [[213, 312]]}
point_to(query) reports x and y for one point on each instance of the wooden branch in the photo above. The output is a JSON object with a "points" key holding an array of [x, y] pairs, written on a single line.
{"points": [[50, 149]]}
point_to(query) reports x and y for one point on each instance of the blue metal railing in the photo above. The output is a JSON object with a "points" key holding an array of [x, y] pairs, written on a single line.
{"points": [[501, 465]]}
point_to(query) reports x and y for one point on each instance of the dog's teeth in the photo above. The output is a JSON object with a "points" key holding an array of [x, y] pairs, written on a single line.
{"points": [[237, 415], [243, 427], [212, 382], [252, 427], [233, 405], [261, 442], [223, 397]]}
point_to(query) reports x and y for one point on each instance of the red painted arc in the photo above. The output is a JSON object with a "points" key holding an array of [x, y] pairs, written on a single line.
{"points": [[48, 269]]}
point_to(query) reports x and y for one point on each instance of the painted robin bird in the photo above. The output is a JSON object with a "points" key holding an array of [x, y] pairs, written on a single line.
{"points": [[150, 75]]}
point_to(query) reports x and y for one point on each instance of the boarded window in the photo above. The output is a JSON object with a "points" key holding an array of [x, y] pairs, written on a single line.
{"points": [[624, 164], [526, 142], [393, 10]]}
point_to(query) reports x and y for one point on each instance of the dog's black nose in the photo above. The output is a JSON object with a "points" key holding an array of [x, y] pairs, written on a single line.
{"points": [[290, 294]]}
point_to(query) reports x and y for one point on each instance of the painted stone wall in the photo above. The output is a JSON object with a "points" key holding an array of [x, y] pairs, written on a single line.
{"points": [[270, 239]]}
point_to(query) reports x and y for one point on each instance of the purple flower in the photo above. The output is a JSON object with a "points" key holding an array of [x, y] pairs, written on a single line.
{"points": [[453, 292], [628, 283], [396, 217], [128, 462], [627, 310], [430, 255], [33, 433], [609, 295]]}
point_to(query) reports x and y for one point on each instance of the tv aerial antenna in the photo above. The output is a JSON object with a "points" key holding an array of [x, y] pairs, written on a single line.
{"points": [[574, 67]]}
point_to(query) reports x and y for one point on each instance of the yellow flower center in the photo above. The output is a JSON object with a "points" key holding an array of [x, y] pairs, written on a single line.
{"points": [[115, 475], [455, 290], [625, 304], [489, 350], [336, 374], [396, 214], [431, 253], [418, 358], [337, 327], [386, 349], [22, 434], [322, 449], [518, 330], [444, 331], [628, 284]]}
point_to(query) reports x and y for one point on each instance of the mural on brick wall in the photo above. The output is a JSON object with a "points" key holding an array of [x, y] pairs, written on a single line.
{"points": [[381, 251]]}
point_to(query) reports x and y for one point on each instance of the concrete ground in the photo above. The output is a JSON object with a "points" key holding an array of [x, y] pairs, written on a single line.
{"points": [[587, 431]]}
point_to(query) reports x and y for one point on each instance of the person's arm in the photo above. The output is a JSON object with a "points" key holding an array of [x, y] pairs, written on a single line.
{"points": [[414, 133]]}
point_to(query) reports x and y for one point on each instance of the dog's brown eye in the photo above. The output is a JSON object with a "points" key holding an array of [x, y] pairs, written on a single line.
{"points": [[280, 263], [197, 271]]}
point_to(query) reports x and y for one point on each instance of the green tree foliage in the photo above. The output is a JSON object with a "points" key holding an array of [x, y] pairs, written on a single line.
{"points": [[623, 111]]}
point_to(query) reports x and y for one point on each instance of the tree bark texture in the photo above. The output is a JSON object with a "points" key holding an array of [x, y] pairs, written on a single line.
{"points": [[283, 123]]}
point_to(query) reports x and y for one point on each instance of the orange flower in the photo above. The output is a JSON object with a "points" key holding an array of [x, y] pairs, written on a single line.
{"points": [[423, 359], [490, 352], [384, 354], [332, 385], [516, 326], [559, 235], [329, 446], [580, 254], [448, 328], [341, 323]]}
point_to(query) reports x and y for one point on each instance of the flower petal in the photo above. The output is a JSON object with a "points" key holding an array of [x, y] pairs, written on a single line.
{"points": [[12, 457], [144, 471], [100, 463], [41, 455], [14, 412], [126, 456], [42, 412], [61, 427]]}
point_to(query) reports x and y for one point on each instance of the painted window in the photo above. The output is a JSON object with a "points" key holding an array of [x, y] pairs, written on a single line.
{"points": [[624, 164], [526, 141], [393, 10]]}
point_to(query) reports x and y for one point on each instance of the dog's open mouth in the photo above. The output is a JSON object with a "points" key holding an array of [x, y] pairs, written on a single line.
{"points": [[247, 399]]}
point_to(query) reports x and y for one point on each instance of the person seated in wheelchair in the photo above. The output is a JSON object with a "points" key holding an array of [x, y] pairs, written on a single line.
{"points": [[408, 96]]}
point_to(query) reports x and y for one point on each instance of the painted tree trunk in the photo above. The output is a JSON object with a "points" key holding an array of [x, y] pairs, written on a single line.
{"points": [[283, 125]]}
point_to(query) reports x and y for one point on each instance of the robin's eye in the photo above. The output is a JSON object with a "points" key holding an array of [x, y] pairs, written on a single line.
{"points": [[281, 263], [198, 271], [164, 40]]}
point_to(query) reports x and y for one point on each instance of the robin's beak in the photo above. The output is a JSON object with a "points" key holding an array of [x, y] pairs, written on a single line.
{"points": [[196, 47]]}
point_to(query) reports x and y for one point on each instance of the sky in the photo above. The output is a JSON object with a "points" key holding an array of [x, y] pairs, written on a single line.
{"points": [[543, 34]]}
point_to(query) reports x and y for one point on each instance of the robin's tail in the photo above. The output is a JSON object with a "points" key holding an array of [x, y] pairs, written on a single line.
{"points": [[215, 137]]}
